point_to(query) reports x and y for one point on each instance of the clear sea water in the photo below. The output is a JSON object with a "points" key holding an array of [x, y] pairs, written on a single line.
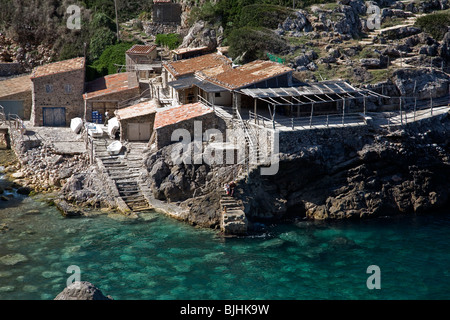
{"points": [[156, 257]]}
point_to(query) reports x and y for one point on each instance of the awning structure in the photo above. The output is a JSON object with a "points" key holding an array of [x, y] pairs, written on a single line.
{"points": [[320, 92], [184, 83], [188, 82]]}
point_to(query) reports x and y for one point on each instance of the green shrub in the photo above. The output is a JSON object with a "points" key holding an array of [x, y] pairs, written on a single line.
{"points": [[263, 15], [100, 40], [255, 43], [112, 55], [170, 40], [435, 24]]}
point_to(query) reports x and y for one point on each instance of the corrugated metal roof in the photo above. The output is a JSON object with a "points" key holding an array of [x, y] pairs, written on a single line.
{"points": [[319, 88]]}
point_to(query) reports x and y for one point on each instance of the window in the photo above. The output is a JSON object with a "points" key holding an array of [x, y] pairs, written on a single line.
{"points": [[68, 88], [49, 88], [217, 94]]}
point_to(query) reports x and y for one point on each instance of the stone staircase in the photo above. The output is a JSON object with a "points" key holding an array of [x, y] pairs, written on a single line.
{"points": [[233, 220], [125, 170]]}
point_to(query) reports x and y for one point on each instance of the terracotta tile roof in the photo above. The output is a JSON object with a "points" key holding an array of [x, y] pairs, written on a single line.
{"points": [[15, 85], [211, 72], [58, 67], [192, 65], [109, 84], [137, 110], [248, 74], [177, 114], [141, 49]]}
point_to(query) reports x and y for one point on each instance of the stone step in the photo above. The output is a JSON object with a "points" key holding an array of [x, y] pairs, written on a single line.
{"points": [[124, 177], [134, 196]]}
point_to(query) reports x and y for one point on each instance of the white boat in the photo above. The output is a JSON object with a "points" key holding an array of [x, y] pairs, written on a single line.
{"points": [[113, 126], [94, 130], [76, 124], [114, 148]]}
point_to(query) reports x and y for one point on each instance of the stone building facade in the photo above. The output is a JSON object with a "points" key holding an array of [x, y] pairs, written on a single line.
{"points": [[107, 93], [137, 121], [195, 118], [57, 92], [15, 96]]}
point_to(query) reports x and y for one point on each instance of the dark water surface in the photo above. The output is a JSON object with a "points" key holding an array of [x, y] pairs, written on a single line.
{"points": [[155, 257]]}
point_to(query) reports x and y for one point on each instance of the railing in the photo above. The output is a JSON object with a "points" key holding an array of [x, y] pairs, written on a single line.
{"points": [[311, 122]]}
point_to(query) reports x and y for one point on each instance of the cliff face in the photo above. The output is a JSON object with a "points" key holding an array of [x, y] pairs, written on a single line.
{"points": [[358, 176]]}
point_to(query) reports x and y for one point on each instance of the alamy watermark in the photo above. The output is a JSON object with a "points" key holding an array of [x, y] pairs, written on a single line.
{"points": [[236, 146], [75, 278], [374, 17], [74, 20], [374, 280]]}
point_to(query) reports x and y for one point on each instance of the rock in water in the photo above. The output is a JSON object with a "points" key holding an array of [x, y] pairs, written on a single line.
{"points": [[82, 291]]}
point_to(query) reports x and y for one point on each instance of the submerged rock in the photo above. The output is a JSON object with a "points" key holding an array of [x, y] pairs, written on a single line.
{"points": [[13, 259]]}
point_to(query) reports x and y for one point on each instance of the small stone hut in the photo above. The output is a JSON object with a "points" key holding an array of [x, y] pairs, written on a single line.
{"points": [[182, 117], [137, 121]]}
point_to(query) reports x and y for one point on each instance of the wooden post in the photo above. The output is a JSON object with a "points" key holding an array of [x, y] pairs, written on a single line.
{"points": [[273, 116], [415, 107], [312, 113], [401, 113], [254, 109], [364, 102], [343, 112]]}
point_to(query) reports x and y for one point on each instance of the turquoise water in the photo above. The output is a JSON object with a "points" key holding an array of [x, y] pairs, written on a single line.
{"points": [[156, 257]]}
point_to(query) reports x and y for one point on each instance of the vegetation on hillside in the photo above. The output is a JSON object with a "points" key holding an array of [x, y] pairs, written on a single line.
{"points": [[435, 24], [171, 40], [249, 43]]}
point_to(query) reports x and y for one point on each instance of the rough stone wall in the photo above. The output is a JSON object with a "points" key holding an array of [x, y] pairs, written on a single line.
{"points": [[164, 134], [58, 97], [292, 141], [110, 102], [167, 13], [10, 68], [141, 119]]}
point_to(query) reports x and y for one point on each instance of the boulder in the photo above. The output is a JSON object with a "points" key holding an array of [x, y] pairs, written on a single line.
{"points": [[427, 82], [82, 290], [370, 62]]}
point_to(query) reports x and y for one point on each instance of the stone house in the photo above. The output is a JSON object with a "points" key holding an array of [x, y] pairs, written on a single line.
{"points": [[106, 94], [142, 59], [137, 121], [183, 117], [15, 96], [166, 12], [224, 87], [179, 80], [57, 92]]}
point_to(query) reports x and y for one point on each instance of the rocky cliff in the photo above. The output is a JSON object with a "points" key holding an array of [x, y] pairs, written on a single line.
{"points": [[354, 174]]}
